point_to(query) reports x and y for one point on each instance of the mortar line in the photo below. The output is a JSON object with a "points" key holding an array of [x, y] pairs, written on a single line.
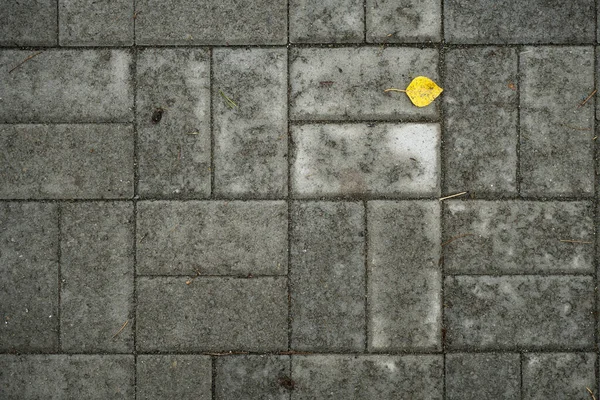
{"points": [[289, 201], [596, 213], [136, 179], [521, 376], [365, 21], [366, 262], [134, 310], [211, 70], [59, 258], [518, 149], [134, 17], [213, 377], [58, 23]]}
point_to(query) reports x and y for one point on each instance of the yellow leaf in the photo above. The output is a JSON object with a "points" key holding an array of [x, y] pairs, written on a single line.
{"points": [[421, 91]]}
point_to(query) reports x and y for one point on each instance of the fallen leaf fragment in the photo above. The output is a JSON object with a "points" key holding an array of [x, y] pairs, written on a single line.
{"points": [[421, 91]]}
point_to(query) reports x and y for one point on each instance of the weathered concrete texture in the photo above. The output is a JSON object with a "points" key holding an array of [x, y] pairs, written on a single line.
{"points": [[252, 377], [28, 23], [367, 377], [390, 21], [173, 120], [559, 375], [483, 376], [519, 312], [97, 277], [328, 276], [173, 377], [211, 314], [515, 21], [400, 160], [332, 21], [66, 161], [211, 22], [510, 237], [250, 153], [480, 135], [29, 284], [349, 83], [95, 22], [404, 277], [57, 377], [213, 238], [557, 146], [66, 86]]}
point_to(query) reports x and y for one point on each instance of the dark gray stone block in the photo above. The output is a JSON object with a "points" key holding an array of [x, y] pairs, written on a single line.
{"points": [[332, 21], [28, 23], [392, 21]]}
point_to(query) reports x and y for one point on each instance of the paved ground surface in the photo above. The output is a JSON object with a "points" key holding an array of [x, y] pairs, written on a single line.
{"points": [[217, 200]]}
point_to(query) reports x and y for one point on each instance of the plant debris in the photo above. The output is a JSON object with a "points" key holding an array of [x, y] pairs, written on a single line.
{"points": [[421, 91], [230, 103], [157, 115], [591, 393], [287, 383], [25, 60], [587, 99], [452, 195], [121, 330], [189, 281]]}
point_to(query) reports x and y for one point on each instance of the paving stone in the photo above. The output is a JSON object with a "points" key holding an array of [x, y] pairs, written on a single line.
{"points": [[480, 136], [29, 284], [367, 377], [252, 377], [173, 120], [514, 21], [66, 161], [250, 153], [519, 312], [95, 22], [211, 314], [97, 277], [559, 375], [216, 238], [225, 22], [400, 160], [483, 376], [327, 276], [404, 280], [557, 146], [332, 21], [57, 377], [511, 237], [66, 86], [390, 21], [173, 377], [28, 23], [349, 83]]}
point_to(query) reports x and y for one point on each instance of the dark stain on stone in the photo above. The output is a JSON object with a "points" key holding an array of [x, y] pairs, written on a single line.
{"points": [[157, 115]]}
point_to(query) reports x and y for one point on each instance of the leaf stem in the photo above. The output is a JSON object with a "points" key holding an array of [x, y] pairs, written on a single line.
{"points": [[394, 90]]}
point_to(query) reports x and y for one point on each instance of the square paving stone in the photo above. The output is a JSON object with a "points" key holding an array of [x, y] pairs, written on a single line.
{"points": [[390, 21], [557, 146], [404, 277], [483, 376], [225, 22], [66, 86], [57, 377], [367, 377], [480, 137], [519, 312], [66, 161], [349, 83], [331, 21], [399, 160], [252, 377], [95, 22], [514, 21], [173, 377], [508, 237], [28, 23], [211, 314], [29, 284], [173, 121], [327, 276], [213, 237], [250, 153], [97, 277], [559, 376]]}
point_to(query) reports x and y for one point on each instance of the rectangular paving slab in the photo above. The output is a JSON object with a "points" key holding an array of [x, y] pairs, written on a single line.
{"points": [[519, 312], [28, 23], [332, 21], [349, 83], [215, 238], [250, 129], [393, 21], [327, 276], [211, 314], [29, 284], [75, 161], [365, 160], [557, 145], [66, 86], [404, 277], [367, 377], [508, 237]]}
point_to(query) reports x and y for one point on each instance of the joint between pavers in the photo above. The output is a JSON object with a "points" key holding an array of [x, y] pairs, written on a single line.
{"points": [[366, 261], [289, 198], [59, 265], [211, 70]]}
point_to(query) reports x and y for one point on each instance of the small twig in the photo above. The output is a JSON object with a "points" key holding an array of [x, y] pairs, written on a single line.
{"points": [[452, 195], [394, 90], [456, 237], [120, 330], [143, 237], [587, 99], [574, 241], [25, 60], [230, 102], [591, 393], [189, 281]]}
